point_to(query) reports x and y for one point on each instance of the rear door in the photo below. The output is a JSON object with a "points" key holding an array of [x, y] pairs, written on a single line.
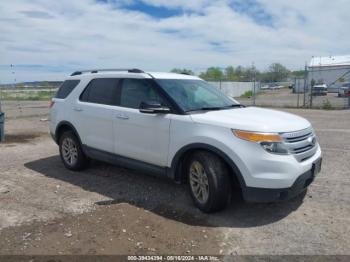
{"points": [[141, 136], [94, 113]]}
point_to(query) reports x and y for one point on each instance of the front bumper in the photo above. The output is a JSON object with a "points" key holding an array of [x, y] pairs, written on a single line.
{"points": [[266, 195]]}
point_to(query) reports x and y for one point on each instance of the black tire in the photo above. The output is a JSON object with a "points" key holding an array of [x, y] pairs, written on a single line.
{"points": [[217, 179], [80, 161]]}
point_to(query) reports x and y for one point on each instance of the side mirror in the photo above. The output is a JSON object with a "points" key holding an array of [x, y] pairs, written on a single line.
{"points": [[153, 107]]}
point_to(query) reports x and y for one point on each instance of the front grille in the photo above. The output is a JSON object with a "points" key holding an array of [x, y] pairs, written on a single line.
{"points": [[302, 149], [302, 144], [298, 138]]}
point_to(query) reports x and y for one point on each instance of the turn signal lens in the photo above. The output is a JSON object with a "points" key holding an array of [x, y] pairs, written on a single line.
{"points": [[257, 137]]}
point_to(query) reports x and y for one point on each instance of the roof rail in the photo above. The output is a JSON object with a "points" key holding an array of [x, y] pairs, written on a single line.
{"points": [[94, 71]]}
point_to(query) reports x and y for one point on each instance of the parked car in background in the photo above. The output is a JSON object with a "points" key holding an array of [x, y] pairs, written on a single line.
{"points": [[319, 90], [264, 87], [276, 87], [344, 90]]}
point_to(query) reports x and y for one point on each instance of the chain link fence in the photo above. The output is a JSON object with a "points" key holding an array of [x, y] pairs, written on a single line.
{"points": [[296, 93], [18, 102]]}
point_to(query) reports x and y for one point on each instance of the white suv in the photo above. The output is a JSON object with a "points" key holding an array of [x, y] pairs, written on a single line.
{"points": [[181, 127]]}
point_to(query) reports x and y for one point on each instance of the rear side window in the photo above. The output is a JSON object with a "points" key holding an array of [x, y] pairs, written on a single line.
{"points": [[101, 91], [66, 88]]}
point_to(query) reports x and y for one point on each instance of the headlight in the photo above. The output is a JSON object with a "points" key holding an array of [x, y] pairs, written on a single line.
{"points": [[271, 142], [275, 147]]}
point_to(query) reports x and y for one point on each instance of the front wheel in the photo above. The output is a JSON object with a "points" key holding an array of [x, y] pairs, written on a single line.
{"points": [[209, 181]]}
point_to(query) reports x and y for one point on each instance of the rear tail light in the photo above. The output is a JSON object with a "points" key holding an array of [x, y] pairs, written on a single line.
{"points": [[51, 103]]}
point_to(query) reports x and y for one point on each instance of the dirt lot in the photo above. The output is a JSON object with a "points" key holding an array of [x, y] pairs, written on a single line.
{"points": [[46, 209], [24, 109]]}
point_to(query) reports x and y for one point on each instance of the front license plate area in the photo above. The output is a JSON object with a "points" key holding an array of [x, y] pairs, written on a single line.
{"points": [[316, 167]]}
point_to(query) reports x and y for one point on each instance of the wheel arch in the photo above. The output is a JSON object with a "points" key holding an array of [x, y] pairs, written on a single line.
{"points": [[179, 162], [65, 126]]}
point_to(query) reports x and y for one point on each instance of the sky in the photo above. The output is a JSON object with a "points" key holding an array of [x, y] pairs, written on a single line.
{"points": [[49, 39]]}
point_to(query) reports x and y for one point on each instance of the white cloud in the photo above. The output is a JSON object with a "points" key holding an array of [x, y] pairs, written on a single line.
{"points": [[86, 34]]}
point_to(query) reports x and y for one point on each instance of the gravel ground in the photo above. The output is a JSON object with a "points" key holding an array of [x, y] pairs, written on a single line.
{"points": [[46, 209], [24, 109]]}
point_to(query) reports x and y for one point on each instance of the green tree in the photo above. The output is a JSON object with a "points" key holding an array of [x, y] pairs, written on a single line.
{"points": [[212, 73], [239, 72], [299, 73], [278, 72], [250, 74], [230, 73]]}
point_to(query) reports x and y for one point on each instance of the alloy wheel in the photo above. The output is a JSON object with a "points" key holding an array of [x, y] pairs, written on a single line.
{"points": [[69, 151], [199, 182]]}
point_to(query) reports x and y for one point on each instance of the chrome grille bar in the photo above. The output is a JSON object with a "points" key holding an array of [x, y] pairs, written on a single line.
{"points": [[302, 144]]}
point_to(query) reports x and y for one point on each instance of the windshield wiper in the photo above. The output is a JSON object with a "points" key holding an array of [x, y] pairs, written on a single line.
{"points": [[233, 105], [214, 108]]}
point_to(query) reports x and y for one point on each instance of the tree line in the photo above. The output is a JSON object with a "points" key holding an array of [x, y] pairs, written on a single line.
{"points": [[276, 72]]}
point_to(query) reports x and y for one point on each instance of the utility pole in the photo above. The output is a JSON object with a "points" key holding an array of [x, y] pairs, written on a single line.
{"points": [[12, 67], [2, 121], [296, 88], [254, 77], [305, 83]]}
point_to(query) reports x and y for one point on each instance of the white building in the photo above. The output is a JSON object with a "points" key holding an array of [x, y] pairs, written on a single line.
{"points": [[330, 70]]}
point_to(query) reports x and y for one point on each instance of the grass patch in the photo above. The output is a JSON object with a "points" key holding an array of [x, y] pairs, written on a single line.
{"points": [[247, 94], [326, 104], [25, 96]]}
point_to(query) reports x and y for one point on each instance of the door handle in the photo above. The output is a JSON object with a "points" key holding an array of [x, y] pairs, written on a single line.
{"points": [[122, 116], [78, 109]]}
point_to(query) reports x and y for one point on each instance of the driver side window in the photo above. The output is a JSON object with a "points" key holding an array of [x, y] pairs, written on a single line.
{"points": [[135, 91]]}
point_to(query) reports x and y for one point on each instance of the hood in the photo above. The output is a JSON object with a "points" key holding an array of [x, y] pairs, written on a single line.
{"points": [[253, 119]]}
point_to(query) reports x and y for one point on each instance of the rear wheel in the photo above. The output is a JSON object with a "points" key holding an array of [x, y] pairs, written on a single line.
{"points": [[71, 152], [209, 181]]}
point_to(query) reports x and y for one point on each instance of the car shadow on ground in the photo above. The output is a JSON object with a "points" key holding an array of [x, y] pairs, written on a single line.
{"points": [[161, 196]]}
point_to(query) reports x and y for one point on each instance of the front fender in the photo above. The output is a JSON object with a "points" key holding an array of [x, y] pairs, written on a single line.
{"points": [[176, 163]]}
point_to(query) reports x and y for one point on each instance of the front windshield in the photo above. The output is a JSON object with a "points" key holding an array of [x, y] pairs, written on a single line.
{"points": [[193, 95]]}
